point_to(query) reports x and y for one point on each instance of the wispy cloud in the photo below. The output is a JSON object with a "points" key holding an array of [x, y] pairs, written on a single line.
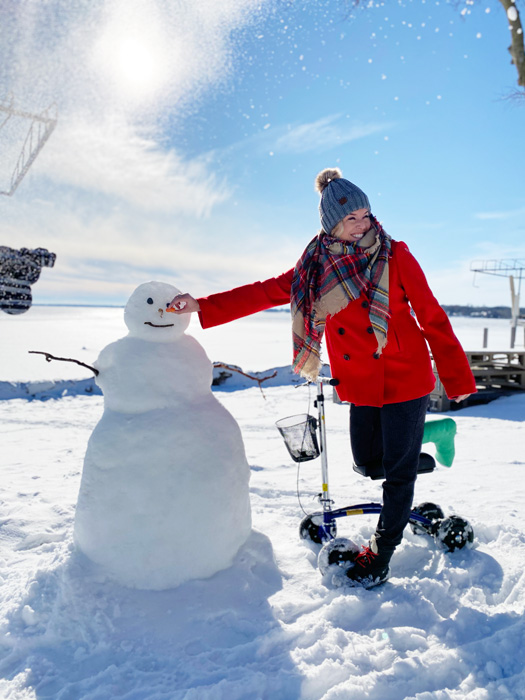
{"points": [[500, 215], [103, 254], [325, 133], [112, 158]]}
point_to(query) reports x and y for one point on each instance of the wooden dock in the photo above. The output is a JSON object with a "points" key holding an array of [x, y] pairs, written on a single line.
{"points": [[496, 373]]}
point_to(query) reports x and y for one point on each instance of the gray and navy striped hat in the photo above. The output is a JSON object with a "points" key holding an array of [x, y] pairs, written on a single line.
{"points": [[339, 197]]}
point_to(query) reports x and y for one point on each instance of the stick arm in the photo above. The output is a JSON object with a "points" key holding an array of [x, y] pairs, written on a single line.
{"points": [[50, 357]]}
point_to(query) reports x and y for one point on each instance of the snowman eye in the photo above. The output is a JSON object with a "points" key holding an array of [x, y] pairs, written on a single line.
{"points": [[150, 300]]}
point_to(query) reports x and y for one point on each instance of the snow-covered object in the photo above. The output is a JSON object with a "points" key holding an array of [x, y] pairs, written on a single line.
{"points": [[19, 269], [164, 494]]}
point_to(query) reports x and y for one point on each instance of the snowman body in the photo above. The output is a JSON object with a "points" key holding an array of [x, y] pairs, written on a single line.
{"points": [[164, 494]]}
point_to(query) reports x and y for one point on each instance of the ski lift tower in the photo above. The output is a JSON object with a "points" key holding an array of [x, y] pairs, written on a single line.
{"points": [[22, 137], [514, 269]]}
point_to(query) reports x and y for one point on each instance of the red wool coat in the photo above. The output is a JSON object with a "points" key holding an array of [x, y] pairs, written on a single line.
{"points": [[404, 370]]}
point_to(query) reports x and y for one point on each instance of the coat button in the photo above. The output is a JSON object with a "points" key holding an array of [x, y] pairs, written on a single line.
{"points": [[365, 304], [341, 331], [369, 329], [346, 357]]}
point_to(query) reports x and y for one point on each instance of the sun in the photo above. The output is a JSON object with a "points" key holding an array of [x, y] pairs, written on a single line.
{"points": [[132, 61], [137, 66]]}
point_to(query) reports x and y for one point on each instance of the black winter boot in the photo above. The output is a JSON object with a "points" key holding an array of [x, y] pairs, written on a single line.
{"points": [[371, 565]]}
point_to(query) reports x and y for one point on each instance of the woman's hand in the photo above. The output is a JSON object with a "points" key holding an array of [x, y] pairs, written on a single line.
{"points": [[183, 304], [458, 399]]}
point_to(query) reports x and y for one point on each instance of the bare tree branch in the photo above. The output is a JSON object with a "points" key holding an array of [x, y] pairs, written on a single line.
{"points": [[256, 379], [50, 357]]}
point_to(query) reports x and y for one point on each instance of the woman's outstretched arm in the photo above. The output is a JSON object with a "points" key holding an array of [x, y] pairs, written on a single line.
{"points": [[236, 303]]}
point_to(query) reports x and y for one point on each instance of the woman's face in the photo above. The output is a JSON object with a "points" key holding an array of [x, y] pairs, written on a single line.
{"points": [[355, 225]]}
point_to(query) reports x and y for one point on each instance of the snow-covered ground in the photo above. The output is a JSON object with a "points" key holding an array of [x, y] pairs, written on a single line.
{"points": [[444, 627]]}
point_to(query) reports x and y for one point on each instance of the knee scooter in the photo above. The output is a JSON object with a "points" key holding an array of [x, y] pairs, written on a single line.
{"points": [[305, 439]]}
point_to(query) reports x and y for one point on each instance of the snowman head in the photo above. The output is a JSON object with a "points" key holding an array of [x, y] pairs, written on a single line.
{"points": [[145, 313]]}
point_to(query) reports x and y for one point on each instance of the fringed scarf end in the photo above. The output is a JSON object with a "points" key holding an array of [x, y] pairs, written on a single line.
{"points": [[311, 368]]}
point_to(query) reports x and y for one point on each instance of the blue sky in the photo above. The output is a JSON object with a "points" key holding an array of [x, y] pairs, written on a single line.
{"points": [[190, 134]]}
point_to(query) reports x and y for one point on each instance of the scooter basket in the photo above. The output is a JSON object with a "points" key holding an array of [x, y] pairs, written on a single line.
{"points": [[300, 438]]}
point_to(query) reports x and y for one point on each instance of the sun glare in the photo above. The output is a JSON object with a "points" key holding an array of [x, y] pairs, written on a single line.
{"points": [[132, 61], [137, 66]]}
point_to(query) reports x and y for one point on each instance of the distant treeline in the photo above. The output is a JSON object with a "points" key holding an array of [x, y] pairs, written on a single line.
{"points": [[482, 311], [455, 310]]}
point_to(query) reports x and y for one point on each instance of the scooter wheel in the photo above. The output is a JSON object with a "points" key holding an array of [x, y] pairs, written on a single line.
{"points": [[432, 512], [455, 533], [313, 529], [340, 552]]}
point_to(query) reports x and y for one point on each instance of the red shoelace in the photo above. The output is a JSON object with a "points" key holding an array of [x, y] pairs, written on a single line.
{"points": [[365, 557]]}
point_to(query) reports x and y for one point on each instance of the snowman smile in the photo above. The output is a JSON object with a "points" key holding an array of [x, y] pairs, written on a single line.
{"points": [[156, 325]]}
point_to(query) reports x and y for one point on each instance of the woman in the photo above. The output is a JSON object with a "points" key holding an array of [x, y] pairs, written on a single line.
{"points": [[364, 291]]}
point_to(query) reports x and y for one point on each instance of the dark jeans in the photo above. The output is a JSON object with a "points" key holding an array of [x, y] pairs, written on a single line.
{"points": [[393, 433]]}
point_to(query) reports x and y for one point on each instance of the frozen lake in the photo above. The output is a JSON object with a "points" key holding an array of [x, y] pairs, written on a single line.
{"points": [[254, 343]]}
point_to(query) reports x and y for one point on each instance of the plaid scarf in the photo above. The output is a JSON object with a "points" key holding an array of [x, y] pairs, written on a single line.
{"points": [[329, 275]]}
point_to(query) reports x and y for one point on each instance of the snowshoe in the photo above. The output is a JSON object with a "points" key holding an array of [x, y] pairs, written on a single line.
{"points": [[454, 533], [339, 552], [313, 529], [432, 512]]}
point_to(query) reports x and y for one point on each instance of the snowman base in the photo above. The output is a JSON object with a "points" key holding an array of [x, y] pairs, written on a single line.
{"points": [[156, 523]]}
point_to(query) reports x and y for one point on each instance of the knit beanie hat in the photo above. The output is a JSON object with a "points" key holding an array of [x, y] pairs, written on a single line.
{"points": [[339, 197]]}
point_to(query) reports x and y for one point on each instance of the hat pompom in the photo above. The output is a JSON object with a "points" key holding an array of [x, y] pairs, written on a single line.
{"points": [[326, 176]]}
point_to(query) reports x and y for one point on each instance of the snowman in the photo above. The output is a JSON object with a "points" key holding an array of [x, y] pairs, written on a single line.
{"points": [[164, 494]]}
